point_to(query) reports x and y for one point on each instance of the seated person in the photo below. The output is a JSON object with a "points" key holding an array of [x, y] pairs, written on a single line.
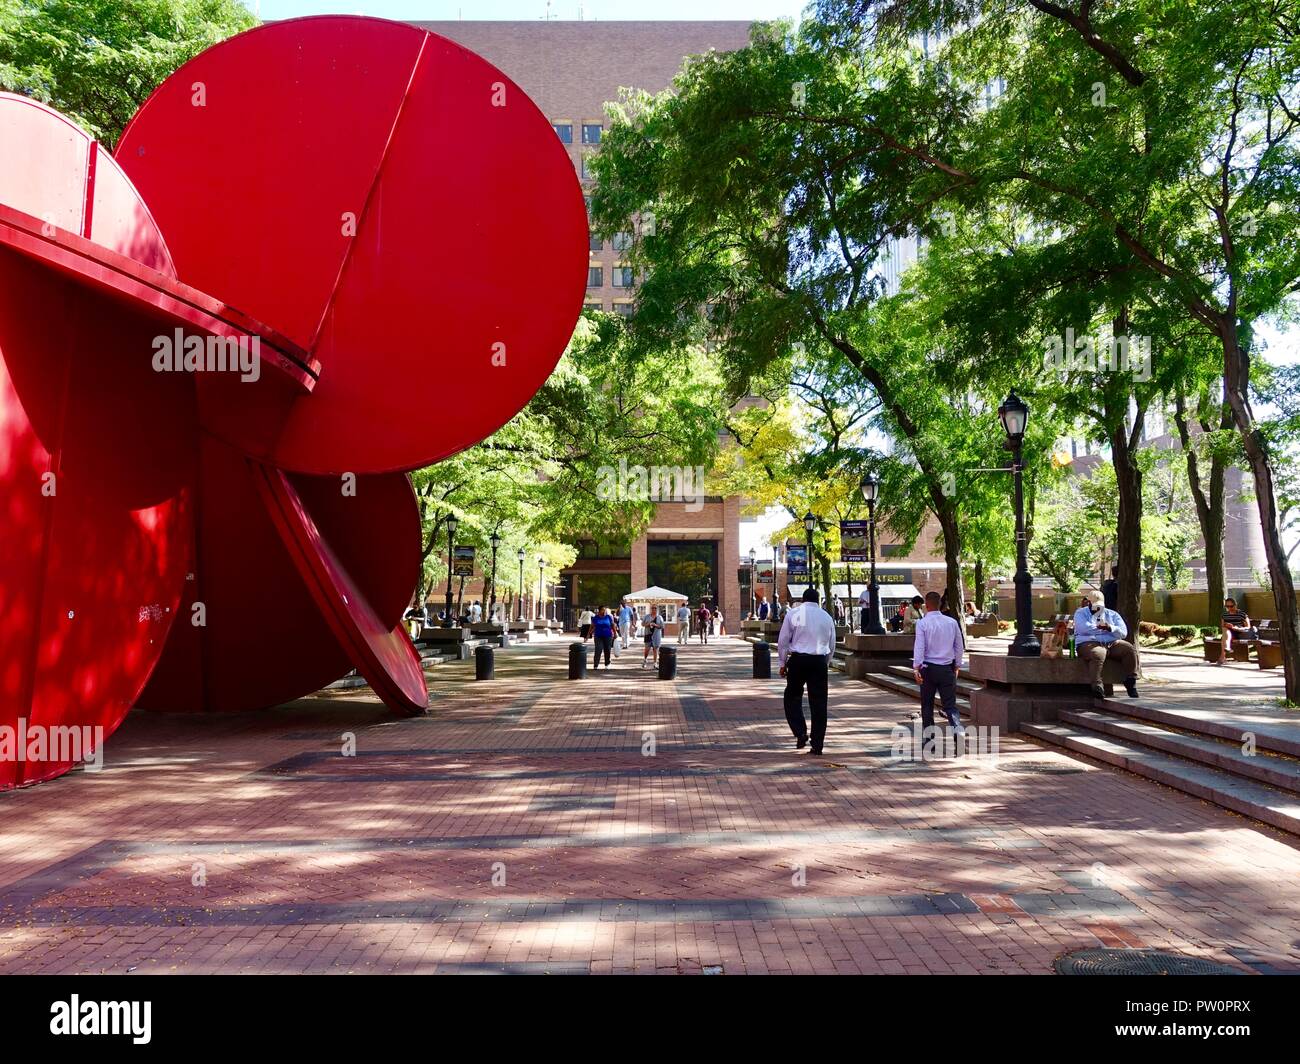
{"points": [[1098, 636], [914, 612], [1235, 625]]}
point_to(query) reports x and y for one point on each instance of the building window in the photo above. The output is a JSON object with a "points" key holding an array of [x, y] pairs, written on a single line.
{"points": [[689, 567], [622, 277], [584, 169], [622, 241], [591, 133], [596, 244], [624, 309], [595, 277], [564, 130], [592, 306]]}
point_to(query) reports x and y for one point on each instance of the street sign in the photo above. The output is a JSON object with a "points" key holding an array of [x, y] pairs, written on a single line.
{"points": [[463, 561]]}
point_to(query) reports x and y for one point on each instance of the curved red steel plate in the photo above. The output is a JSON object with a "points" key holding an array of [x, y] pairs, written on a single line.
{"points": [[91, 575], [384, 188], [264, 640], [380, 648], [96, 457]]}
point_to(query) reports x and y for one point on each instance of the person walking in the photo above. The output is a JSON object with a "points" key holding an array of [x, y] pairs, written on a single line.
{"points": [[763, 609], [625, 614], [603, 628], [683, 623], [654, 633], [703, 617], [584, 624], [937, 654], [805, 647], [722, 622], [1098, 637]]}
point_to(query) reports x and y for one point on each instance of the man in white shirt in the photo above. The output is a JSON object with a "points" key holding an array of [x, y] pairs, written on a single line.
{"points": [[475, 613], [1099, 635], [805, 646], [937, 653]]}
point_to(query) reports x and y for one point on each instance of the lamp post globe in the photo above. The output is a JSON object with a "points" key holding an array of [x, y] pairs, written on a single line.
{"points": [[871, 620], [1014, 415]]}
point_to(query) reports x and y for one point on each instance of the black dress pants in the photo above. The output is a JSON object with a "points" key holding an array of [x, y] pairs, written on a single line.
{"points": [[806, 670], [604, 643], [941, 680]]}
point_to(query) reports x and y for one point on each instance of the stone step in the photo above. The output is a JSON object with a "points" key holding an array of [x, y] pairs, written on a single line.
{"points": [[1272, 769], [1278, 808], [965, 685], [911, 688], [1277, 737]]}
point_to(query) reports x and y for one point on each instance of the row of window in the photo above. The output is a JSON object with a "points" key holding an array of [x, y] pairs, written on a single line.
{"points": [[591, 132], [621, 242], [618, 308], [619, 276]]}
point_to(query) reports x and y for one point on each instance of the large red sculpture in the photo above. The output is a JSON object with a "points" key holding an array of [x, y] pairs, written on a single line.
{"points": [[393, 228]]}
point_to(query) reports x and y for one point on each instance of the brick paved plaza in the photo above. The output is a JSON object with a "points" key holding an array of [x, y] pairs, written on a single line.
{"points": [[519, 827]]}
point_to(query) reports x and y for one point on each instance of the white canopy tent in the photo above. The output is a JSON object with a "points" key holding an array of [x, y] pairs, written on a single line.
{"points": [[654, 596]]}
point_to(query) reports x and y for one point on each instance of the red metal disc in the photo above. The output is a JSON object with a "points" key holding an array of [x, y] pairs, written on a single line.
{"points": [[263, 639], [392, 203], [96, 459]]}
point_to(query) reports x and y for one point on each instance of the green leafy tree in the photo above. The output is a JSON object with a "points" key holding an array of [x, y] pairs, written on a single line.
{"points": [[97, 61]]}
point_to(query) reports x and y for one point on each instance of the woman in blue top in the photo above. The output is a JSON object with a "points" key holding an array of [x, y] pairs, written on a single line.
{"points": [[603, 628]]}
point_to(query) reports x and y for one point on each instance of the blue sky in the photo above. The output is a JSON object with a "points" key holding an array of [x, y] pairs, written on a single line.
{"points": [[432, 10]]}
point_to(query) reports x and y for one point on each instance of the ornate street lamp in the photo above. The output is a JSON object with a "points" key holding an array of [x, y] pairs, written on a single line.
{"points": [[495, 540], [871, 623], [753, 589], [452, 525], [522, 553], [541, 590], [1014, 415]]}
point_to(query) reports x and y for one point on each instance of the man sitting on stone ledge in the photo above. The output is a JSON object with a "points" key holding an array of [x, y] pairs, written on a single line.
{"points": [[1098, 635]]}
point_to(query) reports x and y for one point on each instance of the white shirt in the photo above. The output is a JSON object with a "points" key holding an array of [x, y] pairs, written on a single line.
{"points": [[586, 617], [475, 613], [938, 641], [806, 629]]}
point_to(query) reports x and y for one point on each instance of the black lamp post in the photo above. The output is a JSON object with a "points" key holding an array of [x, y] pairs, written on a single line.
{"points": [[753, 589], [495, 540], [541, 590], [871, 623], [452, 525], [522, 552], [809, 523], [1014, 415]]}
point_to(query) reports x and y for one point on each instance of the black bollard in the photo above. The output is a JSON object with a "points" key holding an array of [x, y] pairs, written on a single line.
{"points": [[667, 663], [762, 661], [484, 665], [577, 661]]}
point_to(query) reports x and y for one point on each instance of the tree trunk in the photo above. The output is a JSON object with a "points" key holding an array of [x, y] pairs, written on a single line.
{"points": [[979, 584], [824, 563], [1209, 505], [947, 514], [1128, 532], [1236, 377]]}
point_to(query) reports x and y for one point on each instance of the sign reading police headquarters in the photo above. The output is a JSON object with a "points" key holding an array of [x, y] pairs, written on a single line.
{"points": [[894, 576]]}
